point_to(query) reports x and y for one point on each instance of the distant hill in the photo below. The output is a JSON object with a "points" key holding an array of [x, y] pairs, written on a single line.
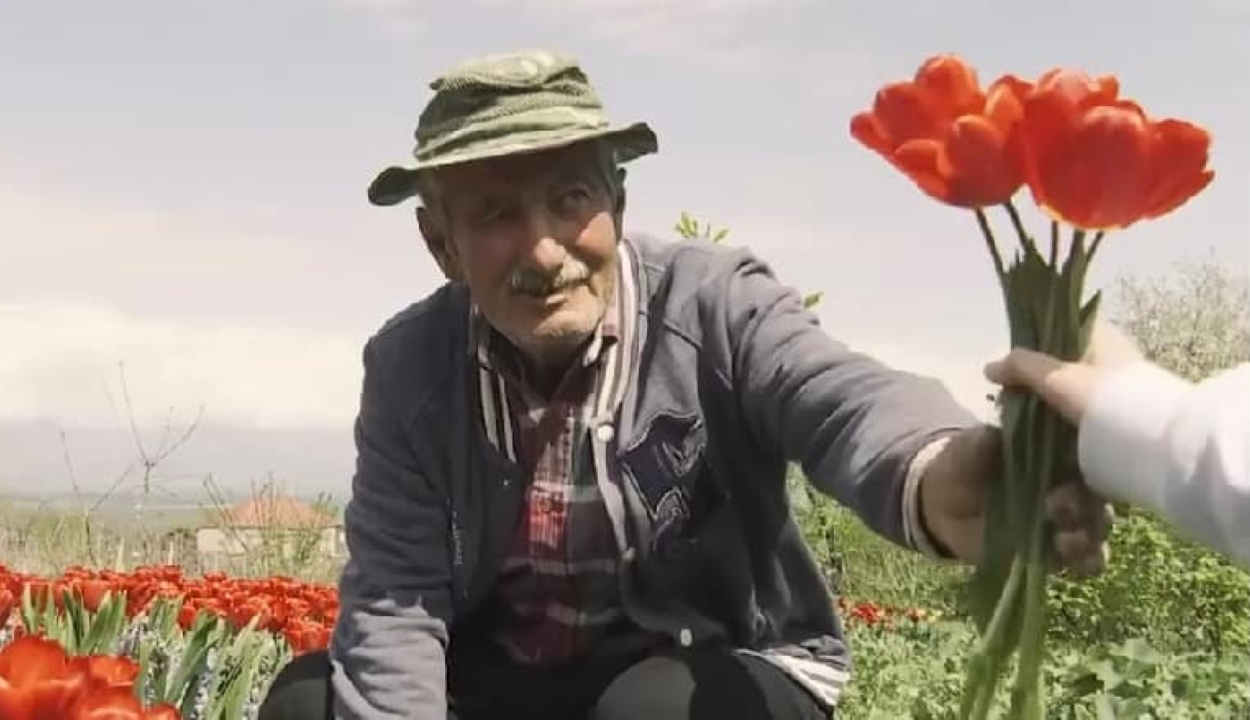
{"points": [[302, 462]]}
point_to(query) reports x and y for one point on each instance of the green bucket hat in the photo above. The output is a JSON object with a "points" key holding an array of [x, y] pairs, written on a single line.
{"points": [[505, 105]]}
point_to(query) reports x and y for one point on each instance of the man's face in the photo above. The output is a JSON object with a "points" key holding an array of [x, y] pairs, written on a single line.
{"points": [[535, 239]]}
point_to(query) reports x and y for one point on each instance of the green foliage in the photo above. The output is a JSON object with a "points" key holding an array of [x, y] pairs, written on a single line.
{"points": [[1143, 602], [862, 565], [916, 671], [1158, 586], [692, 229]]}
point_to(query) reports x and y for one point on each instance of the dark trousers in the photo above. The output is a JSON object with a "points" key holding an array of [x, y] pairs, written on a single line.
{"points": [[677, 685]]}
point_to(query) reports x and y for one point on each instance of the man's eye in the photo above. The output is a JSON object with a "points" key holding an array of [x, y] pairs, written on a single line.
{"points": [[573, 198]]}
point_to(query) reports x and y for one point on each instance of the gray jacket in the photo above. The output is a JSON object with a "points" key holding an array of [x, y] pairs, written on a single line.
{"points": [[734, 379]]}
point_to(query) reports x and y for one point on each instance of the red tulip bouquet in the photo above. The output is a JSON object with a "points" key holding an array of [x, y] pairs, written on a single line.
{"points": [[1093, 162]]}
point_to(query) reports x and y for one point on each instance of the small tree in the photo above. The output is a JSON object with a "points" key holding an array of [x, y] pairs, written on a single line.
{"points": [[1194, 323]]}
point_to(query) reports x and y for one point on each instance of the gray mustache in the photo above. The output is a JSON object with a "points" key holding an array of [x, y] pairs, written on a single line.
{"points": [[527, 281]]}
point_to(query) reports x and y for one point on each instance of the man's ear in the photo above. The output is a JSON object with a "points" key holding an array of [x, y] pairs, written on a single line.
{"points": [[439, 244]]}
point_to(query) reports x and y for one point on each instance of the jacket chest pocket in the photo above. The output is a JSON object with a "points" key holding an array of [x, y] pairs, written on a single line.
{"points": [[670, 470]]}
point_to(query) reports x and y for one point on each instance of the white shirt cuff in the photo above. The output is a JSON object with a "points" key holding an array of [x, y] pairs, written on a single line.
{"points": [[913, 528]]}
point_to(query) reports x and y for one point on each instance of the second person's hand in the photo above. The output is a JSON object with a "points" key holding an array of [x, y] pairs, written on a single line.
{"points": [[1067, 387]]}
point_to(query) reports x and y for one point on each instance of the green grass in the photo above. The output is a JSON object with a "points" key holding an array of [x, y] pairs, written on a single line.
{"points": [[862, 565]]}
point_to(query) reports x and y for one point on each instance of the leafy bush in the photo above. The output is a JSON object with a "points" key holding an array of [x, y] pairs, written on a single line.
{"points": [[1158, 586], [917, 671]]}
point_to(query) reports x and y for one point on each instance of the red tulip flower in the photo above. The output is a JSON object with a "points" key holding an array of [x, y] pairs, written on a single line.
{"points": [[38, 681], [1098, 162], [947, 134]]}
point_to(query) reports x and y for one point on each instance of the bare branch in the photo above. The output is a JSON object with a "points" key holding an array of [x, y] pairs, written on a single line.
{"points": [[186, 435], [114, 486], [84, 512], [130, 412], [69, 464]]}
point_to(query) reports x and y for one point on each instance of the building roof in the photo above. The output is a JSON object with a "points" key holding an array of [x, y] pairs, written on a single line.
{"points": [[276, 511]]}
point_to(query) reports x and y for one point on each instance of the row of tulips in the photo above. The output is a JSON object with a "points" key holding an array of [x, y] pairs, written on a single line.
{"points": [[156, 644], [302, 613], [153, 643]]}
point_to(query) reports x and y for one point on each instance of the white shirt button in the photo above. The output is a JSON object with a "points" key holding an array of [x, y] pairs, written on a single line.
{"points": [[605, 433], [685, 637]]}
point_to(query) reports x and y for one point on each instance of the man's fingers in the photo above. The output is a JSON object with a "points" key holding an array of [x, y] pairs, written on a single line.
{"points": [[1082, 521], [1064, 386], [1073, 505]]}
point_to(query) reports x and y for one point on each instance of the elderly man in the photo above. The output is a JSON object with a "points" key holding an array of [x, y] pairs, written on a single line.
{"points": [[570, 496]]}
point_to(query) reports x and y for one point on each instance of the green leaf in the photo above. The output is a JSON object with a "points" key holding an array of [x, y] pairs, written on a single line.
{"points": [[77, 622], [105, 625], [31, 615], [1107, 674], [1104, 708], [1138, 650], [193, 662], [1088, 318]]}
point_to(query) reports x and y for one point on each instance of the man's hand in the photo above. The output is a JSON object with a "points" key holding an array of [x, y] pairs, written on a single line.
{"points": [[952, 491], [1066, 386]]}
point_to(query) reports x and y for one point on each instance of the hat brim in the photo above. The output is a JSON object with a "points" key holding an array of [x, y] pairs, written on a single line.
{"points": [[396, 184]]}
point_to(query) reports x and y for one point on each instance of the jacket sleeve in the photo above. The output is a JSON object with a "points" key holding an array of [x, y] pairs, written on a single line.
{"points": [[860, 430], [1177, 448], [387, 651]]}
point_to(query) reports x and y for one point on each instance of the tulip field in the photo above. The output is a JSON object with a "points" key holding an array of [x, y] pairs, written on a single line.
{"points": [[155, 642], [151, 643]]}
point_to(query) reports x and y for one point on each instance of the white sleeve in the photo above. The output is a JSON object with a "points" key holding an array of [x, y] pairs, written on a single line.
{"points": [[1180, 449]]}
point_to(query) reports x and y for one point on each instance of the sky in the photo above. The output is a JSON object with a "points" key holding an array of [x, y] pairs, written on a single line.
{"points": [[182, 192]]}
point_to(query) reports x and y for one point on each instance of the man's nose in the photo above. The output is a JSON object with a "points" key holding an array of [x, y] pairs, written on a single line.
{"points": [[543, 250]]}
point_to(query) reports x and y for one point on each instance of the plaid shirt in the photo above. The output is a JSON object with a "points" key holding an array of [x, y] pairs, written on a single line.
{"points": [[559, 583]]}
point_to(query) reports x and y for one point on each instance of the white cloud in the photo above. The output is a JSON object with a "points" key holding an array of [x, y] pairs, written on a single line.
{"points": [[61, 362]]}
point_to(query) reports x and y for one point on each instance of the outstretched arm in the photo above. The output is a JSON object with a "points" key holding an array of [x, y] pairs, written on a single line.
{"points": [[863, 432]]}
